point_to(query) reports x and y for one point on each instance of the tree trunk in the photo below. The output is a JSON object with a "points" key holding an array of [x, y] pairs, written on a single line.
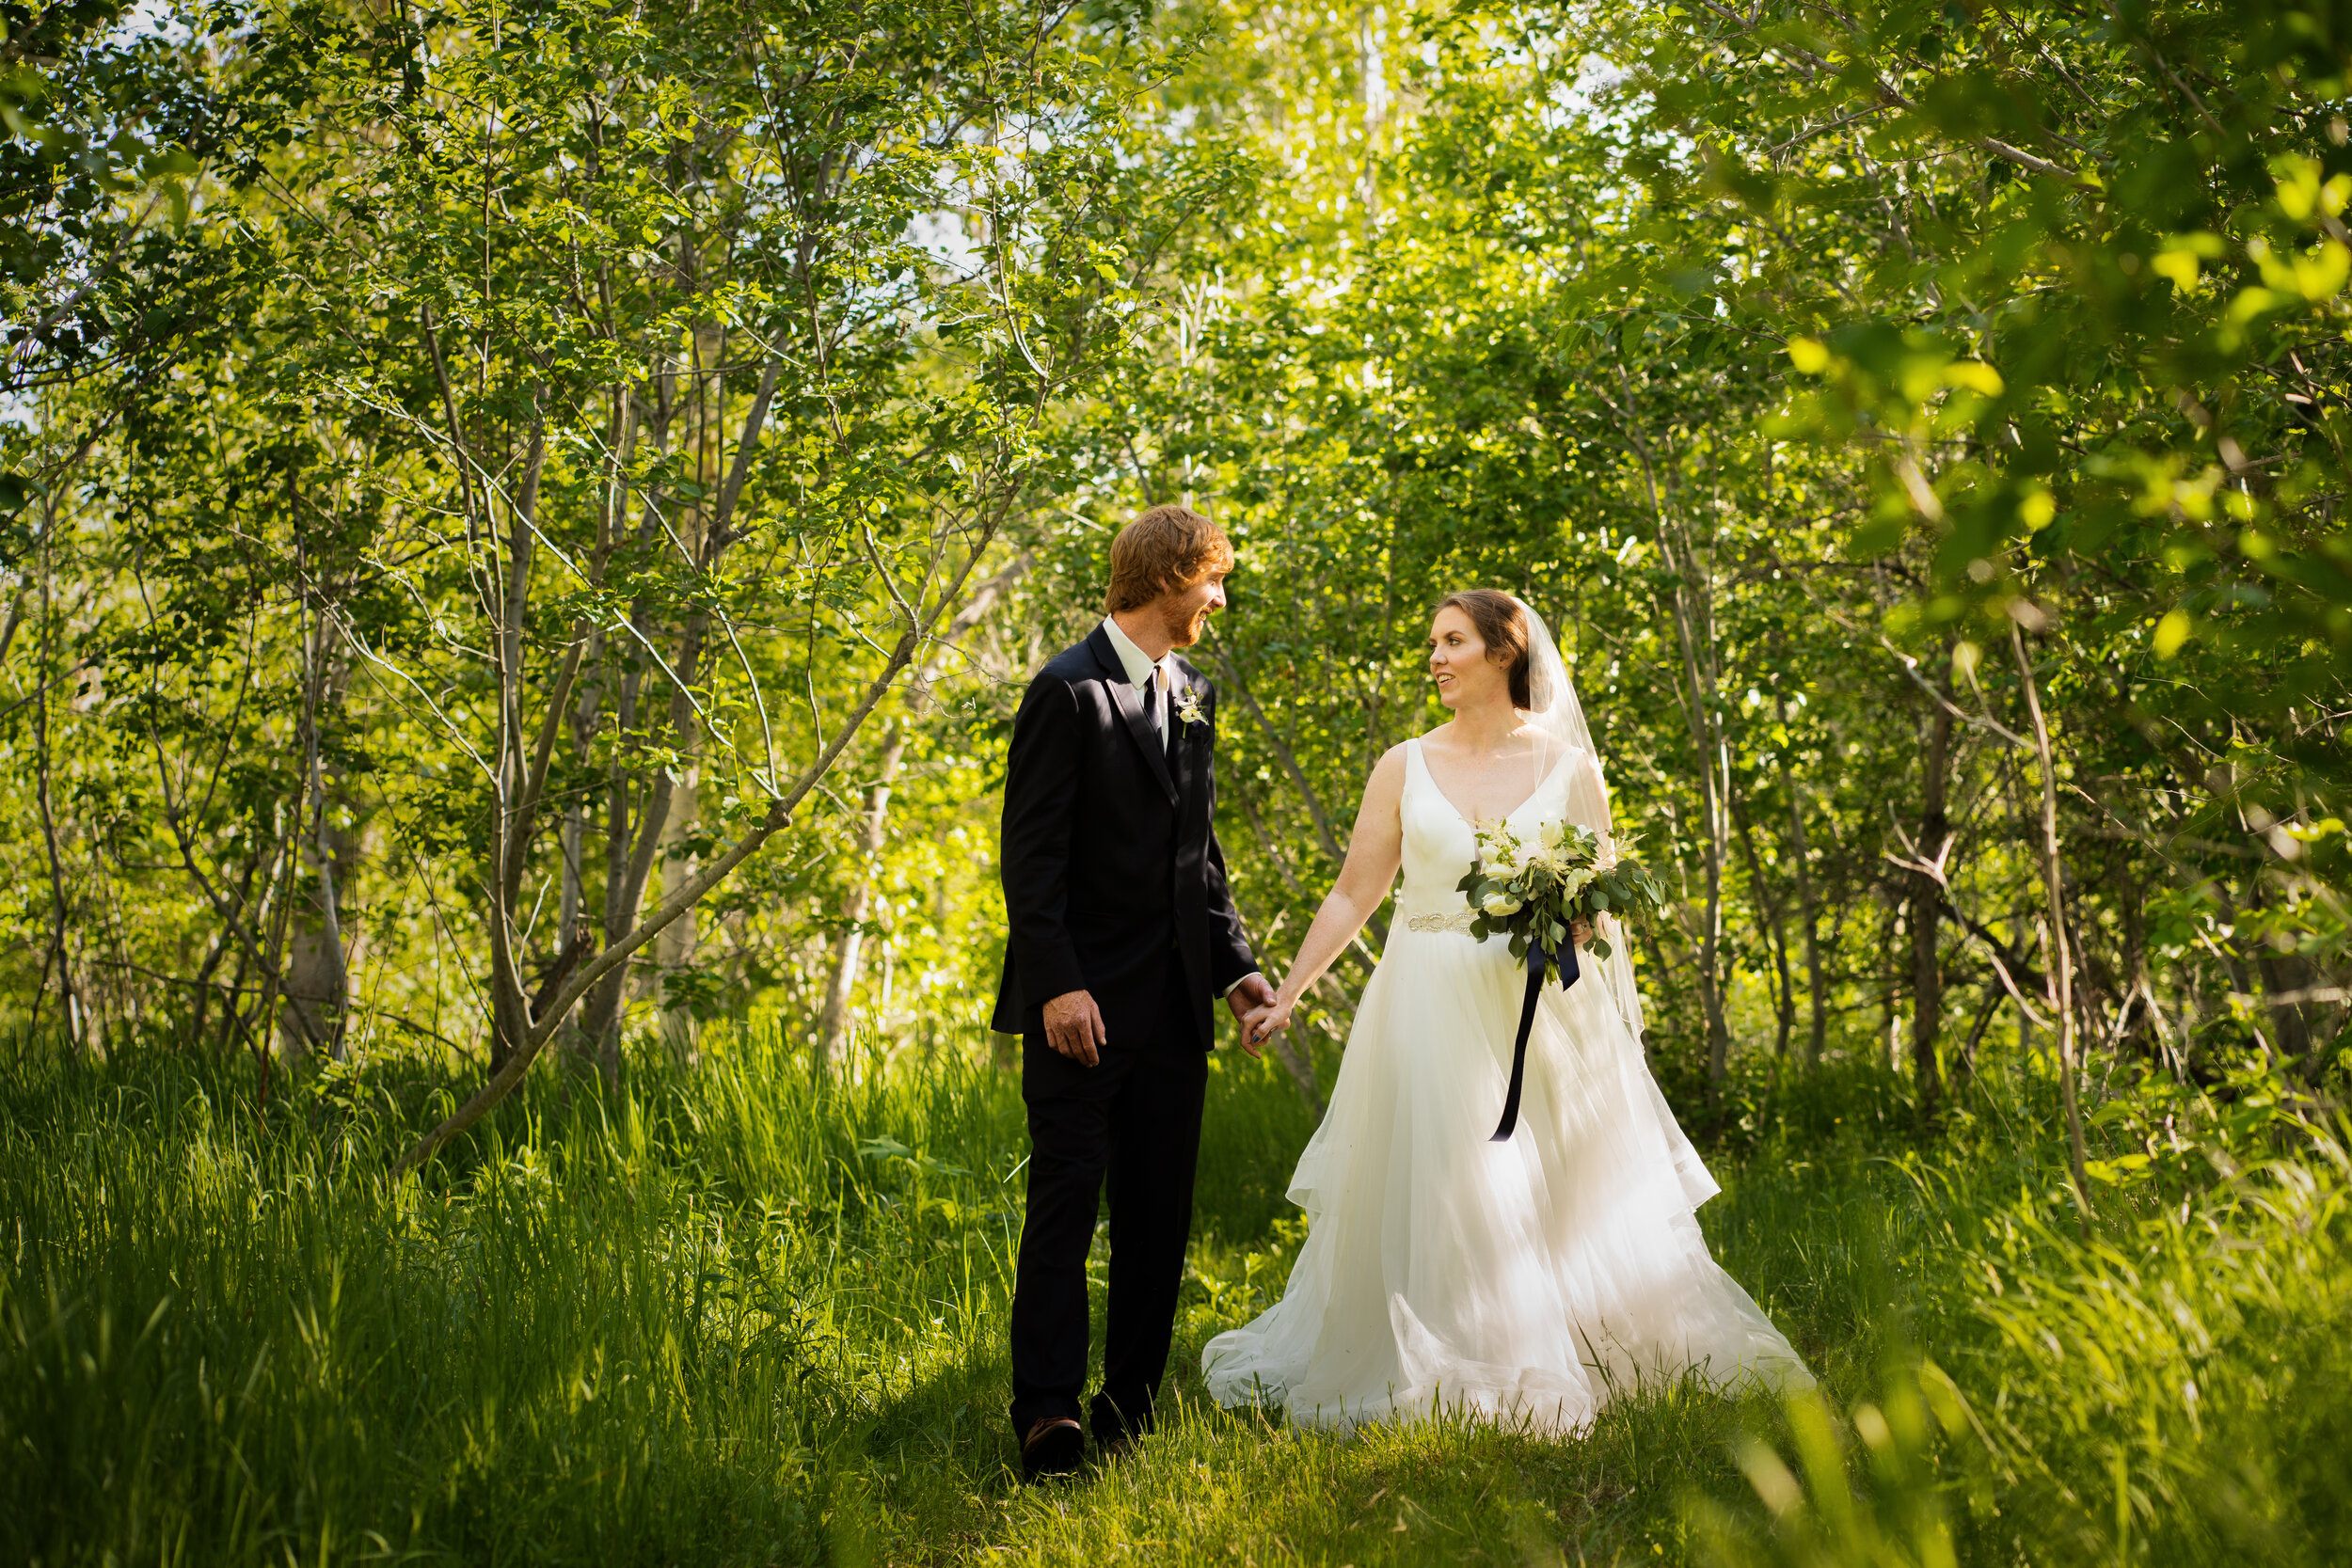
{"points": [[673, 950], [318, 981], [1716, 783], [1770, 925], [631, 842], [600, 1019], [514, 819], [593, 1040], [629, 862], [704, 444], [1690, 608], [2142, 994], [833, 1028], [1817, 1005], [634, 807], [574, 838], [2054, 889], [55, 959], [2282, 975], [1808, 910], [1927, 904]]}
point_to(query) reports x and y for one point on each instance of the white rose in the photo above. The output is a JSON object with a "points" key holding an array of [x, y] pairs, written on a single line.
{"points": [[1500, 904]]}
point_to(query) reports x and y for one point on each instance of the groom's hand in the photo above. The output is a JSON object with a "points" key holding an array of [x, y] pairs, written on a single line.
{"points": [[1253, 996], [1073, 1026]]}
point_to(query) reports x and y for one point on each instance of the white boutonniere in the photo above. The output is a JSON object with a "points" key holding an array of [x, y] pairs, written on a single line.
{"points": [[1188, 706]]}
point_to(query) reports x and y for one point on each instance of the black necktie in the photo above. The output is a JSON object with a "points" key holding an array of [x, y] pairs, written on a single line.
{"points": [[1151, 700]]}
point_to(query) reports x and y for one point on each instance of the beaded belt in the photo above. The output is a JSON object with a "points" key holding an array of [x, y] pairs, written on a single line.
{"points": [[1458, 921]]}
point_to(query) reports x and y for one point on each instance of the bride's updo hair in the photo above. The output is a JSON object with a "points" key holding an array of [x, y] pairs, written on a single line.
{"points": [[1502, 626]]}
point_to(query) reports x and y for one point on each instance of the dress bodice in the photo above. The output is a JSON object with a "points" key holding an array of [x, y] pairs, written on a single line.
{"points": [[1439, 843]]}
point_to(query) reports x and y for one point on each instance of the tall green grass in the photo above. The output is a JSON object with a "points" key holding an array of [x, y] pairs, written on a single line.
{"points": [[724, 1317], [2167, 1383]]}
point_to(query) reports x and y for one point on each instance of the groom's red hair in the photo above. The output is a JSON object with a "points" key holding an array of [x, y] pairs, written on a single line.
{"points": [[1166, 548]]}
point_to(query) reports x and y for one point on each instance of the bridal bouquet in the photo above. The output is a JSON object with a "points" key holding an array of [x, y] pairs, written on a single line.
{"points": [[1534, 892]]}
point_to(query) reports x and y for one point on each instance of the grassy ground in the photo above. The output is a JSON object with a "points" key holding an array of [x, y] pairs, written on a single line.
{"points": [[724, 1319]]}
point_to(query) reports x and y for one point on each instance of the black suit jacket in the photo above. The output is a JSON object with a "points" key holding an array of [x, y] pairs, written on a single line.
{"points": [[1109, 854]]}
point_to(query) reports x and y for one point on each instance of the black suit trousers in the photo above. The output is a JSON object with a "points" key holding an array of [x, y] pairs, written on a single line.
{"points": [[1134, 1121]]}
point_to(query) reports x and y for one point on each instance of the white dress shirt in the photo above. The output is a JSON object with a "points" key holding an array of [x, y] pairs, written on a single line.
{"points": [[1141, 668]]}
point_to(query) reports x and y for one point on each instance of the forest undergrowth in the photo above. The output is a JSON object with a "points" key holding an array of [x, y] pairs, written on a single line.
{"points": [[718, 1317]]}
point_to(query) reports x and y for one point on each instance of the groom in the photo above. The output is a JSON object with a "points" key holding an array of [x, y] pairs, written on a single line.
{"points": [[1122, 935]]}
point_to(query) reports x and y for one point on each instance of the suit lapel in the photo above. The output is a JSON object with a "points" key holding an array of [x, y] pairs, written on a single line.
{"points": [[1181, 731], [1130, 703]]}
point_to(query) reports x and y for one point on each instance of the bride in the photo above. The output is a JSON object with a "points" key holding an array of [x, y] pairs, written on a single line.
{"points": [[1528, 1280]]}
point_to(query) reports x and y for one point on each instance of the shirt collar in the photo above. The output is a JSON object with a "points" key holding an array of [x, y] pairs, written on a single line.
{"points": [[1138, 664]]}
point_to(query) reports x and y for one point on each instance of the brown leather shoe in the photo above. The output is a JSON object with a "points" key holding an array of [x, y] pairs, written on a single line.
{"points": [[1055, 1446]]}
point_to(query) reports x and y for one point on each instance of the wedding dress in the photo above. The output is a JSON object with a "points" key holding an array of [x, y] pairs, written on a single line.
{"points": [[1527, 1281]]}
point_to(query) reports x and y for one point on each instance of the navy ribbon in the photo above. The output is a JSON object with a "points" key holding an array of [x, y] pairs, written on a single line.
{"points": [[1539, 958]]}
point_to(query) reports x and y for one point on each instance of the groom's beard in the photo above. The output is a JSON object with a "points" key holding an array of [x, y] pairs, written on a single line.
{"points": [[1184, 630]]}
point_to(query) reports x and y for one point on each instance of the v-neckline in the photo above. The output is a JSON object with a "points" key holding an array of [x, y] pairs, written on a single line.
{"points": [[1466, 820]]}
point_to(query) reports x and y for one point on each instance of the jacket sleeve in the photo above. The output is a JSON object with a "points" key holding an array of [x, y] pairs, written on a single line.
{"points": [[1229, 959], [1040, 794]]}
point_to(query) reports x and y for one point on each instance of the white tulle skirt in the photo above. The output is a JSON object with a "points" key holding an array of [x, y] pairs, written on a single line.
{"points": [[1529, 1282]]}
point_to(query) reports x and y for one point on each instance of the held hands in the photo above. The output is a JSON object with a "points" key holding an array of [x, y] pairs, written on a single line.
{"points": [[1250, 1001], [1262, 1023], [1267, 1013]]}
